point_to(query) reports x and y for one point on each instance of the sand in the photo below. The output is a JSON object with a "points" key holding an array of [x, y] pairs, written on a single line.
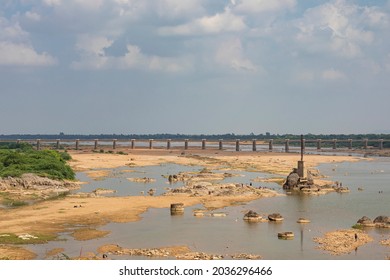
{"points": [[56, 216]]}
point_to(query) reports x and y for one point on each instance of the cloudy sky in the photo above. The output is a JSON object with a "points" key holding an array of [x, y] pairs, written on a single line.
{"points": [[194, 66]]}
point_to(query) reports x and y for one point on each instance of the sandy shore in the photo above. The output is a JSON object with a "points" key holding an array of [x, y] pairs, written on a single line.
{"points": [[52, 217]]}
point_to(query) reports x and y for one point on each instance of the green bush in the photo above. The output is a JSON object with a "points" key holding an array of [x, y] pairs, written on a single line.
{"points": [[23, 159]]}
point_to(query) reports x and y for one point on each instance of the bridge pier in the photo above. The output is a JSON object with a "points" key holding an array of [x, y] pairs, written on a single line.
{"points": [[380, 144], [77, 143], [220, 144], [334, 144], [203, 144], [287, 145], [38, 144], [350, 144], [95, 144], [58, 144], [132, 143], [254, 148], [365, 141], [114, 144], [150, 143], [185, 144], [271, 145], [168, 144], [319, 144], [237, 145]]}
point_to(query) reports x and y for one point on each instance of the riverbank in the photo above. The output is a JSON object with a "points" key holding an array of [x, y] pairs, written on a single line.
{"points": [[53, 217]]}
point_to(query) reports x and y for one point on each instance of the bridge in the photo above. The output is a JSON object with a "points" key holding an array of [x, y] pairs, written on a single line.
{"points": [[279, 145]]}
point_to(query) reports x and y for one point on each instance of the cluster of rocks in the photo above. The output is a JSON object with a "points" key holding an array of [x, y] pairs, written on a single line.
{"points": [[203, 175], [142, 180], [209, 189], [380, 221], [40, 187], [252, 216]]}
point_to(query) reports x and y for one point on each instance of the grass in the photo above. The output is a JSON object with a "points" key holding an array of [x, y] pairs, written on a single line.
{"points": [[18, 159], [10, 238]]}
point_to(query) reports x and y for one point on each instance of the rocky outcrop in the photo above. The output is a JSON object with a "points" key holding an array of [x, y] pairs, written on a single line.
{"points": [[275, 217], [252, 216], [292, 180]]}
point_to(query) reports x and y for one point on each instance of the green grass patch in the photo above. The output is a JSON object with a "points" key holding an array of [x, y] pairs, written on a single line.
{"points": [[10, 238], [358, 226], [18, 159]]}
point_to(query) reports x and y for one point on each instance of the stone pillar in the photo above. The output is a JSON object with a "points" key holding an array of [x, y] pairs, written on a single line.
{"points": [[38, 144], [203, 144], [365, 144], [350, 144], [114, 144], [96, 144], [304, 144], [334, 144], [177, 209], [220, 144], [301, 168], [380, 144], [254, 145], [319, 142], [17, 141], [58, 144], [168, 144], [287, 145], [185, 144], [77, 143], [271, 145], [238, 145], [150, 143], [132, 143]]}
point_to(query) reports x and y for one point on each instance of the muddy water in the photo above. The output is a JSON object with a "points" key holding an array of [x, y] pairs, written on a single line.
{"points": [[230, 234]]}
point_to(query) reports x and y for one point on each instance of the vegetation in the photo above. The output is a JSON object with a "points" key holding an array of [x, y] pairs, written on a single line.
{"points": [[10, 238], [17, 159]]}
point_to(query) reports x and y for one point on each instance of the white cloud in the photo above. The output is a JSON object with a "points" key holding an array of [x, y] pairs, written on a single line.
{"points": [[179, 8], [33, 16], [332, 75], [52, 3], [262, 6], [335, 27], [220, 22], [94, 45], [230, 53], [23, 55]]}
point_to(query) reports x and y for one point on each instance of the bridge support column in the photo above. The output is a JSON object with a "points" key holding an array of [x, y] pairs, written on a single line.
{"points": [[319, 144], [95, 144], [287, 145], [365, 144], [58, 144], [114, 144], [168, 144], [271, 145], [133, 143], [334, 144], [220, 144], [77, 143], [203, 144], [38, 144], [185, 144], [150, 143], [238, 145], [254, 148], [380, 144], [350, 144]]}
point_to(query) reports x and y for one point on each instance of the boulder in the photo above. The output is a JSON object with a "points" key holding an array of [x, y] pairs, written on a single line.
{"points": [[365, 221], [252, 216], [292, 180], [275, 217], [382, 220]]}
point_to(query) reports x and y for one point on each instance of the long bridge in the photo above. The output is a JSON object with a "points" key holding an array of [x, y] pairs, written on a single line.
{"points": [[284, 145]]}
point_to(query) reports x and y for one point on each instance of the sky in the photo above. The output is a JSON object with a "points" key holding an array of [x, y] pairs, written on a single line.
{"points": [[194, 66]]}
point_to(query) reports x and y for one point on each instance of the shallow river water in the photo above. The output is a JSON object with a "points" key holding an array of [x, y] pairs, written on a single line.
{"points": [[229, 235]]}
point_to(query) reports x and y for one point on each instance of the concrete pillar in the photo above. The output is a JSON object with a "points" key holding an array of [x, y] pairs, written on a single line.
{"points": [[334, 144], [17, 141], [77, 143], [185, 144], [319, 142], [220, 144], [96, 144], [203, 144], [58, 144], [380, 144], [254, 145], [365, 144], [350, 144], [304, 144], [38, 144], [168, 144], [271, 145], [150, 143], [238, 145], [132, 143], [301, 168], [287, 145], [114, 144]]}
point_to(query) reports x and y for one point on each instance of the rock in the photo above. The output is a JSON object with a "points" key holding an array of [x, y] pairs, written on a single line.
{"points": [[292, 180], [303, 221], [382, 219], [275, 217], [286, 235], [252, 216], [365, 221]]}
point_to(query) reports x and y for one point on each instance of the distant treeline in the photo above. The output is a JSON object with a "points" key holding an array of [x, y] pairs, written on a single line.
{"points": [[228, 136]]}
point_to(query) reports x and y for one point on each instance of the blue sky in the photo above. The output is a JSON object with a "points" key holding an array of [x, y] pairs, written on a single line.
{"points": [[194, 66]]}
